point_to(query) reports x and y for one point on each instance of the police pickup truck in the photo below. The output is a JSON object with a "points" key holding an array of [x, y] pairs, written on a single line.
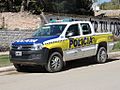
{"points": [[55, 43]]}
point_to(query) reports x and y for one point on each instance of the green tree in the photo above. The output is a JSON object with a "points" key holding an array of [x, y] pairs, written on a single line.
{"points": [[35, 6], [114, 4], [69, 6]]}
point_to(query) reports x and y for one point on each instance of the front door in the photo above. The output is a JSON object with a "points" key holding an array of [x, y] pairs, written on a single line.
{"points": [[73, 36]]}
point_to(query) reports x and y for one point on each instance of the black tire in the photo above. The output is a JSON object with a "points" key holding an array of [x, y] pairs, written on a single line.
{"points": [[55, 62], [20, 68], [101, 55]]}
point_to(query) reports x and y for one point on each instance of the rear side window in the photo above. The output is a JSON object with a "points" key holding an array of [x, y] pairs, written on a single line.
{"points": [[85, 28]]}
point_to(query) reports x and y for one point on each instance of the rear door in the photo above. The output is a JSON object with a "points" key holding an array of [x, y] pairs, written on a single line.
{"points": [[88, 48]]}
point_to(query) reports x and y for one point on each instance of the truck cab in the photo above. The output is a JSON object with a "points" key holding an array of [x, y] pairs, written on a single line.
{"points": [[55, 43]]}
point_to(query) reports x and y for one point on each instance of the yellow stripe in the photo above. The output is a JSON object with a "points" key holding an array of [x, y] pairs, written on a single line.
{"points": [[65, 44]]}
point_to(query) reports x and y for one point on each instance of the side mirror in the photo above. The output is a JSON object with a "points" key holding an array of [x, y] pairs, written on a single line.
{"points": [[69, 34]]}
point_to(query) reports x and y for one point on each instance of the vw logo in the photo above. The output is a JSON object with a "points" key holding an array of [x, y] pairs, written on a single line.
{"points": [[19, 47]]}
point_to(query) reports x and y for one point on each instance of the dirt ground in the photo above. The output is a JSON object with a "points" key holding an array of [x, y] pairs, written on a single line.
{"points": [[19, 20]]}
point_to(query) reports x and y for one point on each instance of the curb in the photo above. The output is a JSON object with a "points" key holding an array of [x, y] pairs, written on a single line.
{"points": [[6, 69], [114, 54], [4, 53], [12, 68]]}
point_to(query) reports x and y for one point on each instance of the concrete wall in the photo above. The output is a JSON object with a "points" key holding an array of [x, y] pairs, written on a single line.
{"points": [[105, 25], [110, 13], [8, 36]]}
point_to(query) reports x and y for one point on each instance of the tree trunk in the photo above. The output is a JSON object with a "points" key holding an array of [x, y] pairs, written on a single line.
{"points": [[22, 6]]}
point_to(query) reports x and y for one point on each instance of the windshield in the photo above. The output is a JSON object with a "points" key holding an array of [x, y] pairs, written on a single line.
{"points": [[49, 30]]}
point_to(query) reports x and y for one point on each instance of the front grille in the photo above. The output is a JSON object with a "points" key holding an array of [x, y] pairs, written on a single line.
{"points": [[22, 47], [27, 56], [26, 52]]}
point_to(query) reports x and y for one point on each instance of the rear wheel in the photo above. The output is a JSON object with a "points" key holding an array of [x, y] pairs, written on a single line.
{"points": [[55, 62], [101, 56]]}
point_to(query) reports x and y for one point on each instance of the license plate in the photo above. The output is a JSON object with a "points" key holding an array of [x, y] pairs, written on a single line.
{"points": [[18, 53]]}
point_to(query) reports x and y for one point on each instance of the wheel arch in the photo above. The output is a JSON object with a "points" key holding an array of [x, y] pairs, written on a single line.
{"points": [[56, 50], [102, 44]]}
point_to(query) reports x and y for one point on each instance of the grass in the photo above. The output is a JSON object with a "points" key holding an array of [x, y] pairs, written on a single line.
{"points": [[116, 47], [4, 61]]}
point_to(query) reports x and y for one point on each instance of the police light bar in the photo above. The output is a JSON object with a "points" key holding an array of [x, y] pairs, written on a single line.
{"points": [[63, 20]]}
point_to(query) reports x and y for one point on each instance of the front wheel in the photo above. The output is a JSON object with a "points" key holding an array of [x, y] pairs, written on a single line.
{"points": [[55, 62], [101, 55]]}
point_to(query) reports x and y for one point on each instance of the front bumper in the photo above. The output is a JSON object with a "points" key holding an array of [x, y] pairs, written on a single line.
{"points": [[38, 57]]}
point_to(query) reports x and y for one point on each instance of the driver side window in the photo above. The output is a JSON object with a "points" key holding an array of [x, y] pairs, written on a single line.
{"points": [[73, 30]]}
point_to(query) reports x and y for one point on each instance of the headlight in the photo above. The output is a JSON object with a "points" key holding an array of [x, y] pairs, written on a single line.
{"points": [[37, 47]]}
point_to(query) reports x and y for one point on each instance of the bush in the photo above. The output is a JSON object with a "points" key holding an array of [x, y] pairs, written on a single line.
{"points": [[117, 46]]}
